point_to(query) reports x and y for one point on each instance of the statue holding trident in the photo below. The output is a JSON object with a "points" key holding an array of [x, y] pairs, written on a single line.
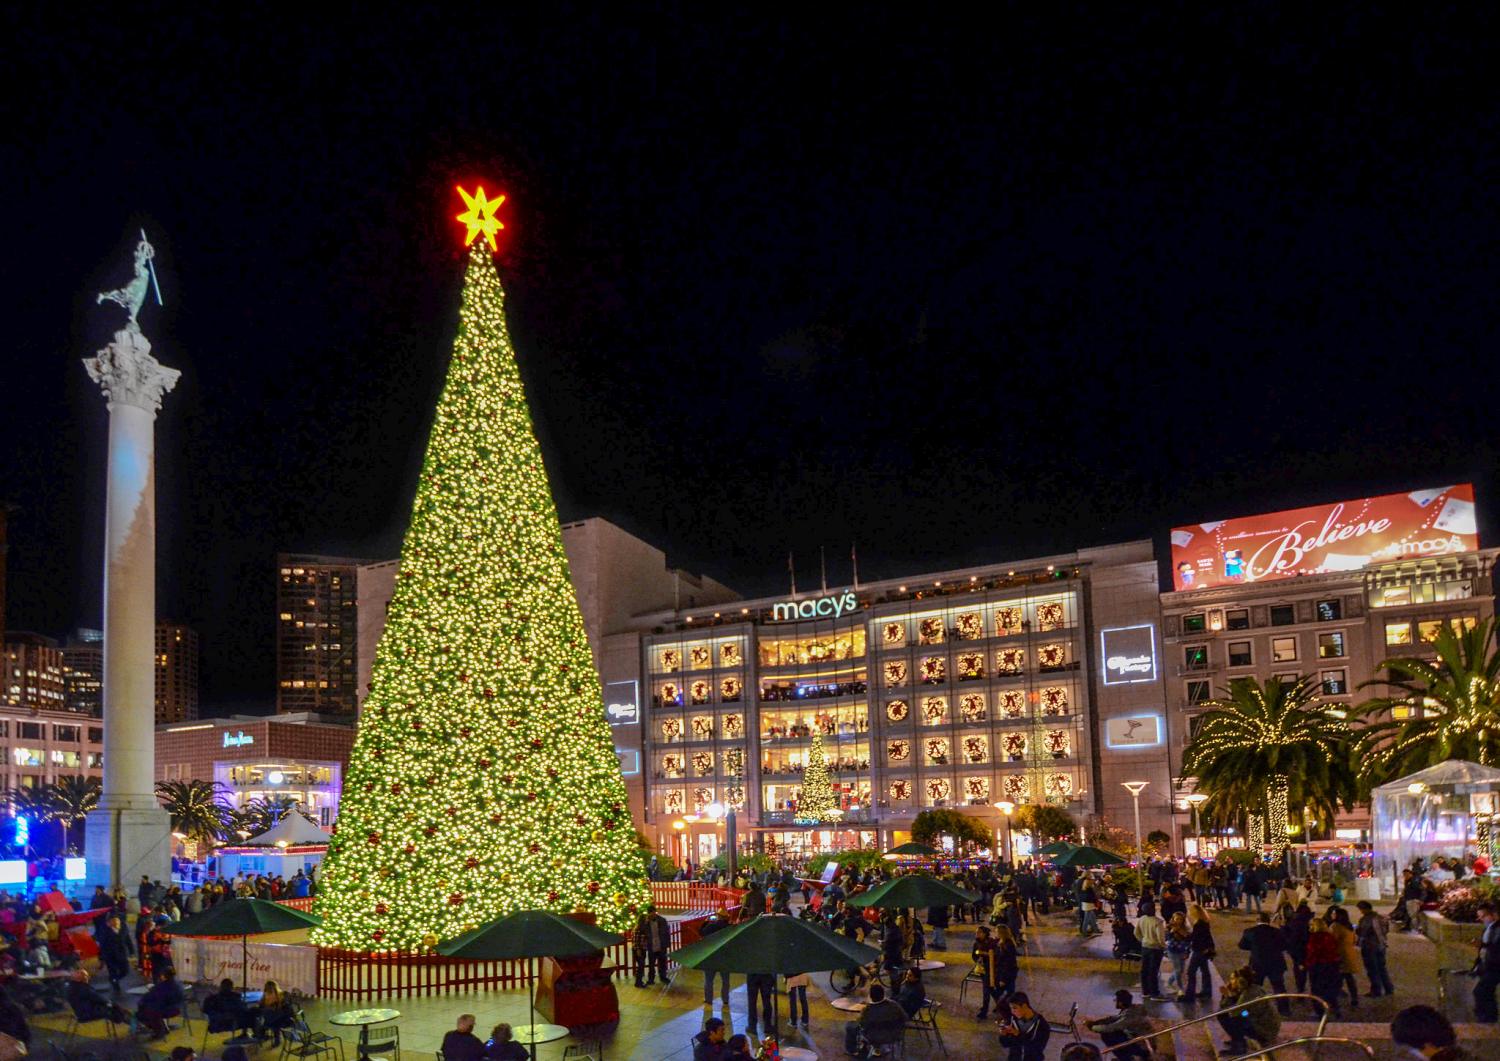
{"points": [[133, 295]]}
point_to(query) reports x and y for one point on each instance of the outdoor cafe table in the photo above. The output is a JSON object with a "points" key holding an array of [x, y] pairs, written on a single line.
{"points": [[531, 1034], [927, 965], [797, 1053], [362, 1019], [849, 1005]]}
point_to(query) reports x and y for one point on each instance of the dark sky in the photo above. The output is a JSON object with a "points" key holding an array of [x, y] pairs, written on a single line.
{"points": [[960, 290]]}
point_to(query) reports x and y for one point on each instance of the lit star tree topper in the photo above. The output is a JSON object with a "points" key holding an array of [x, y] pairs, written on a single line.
{"points": [[479, 218], [483, 778]]}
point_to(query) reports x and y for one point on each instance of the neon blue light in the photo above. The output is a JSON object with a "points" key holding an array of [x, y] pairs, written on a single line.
{"points": [[23, 830]]}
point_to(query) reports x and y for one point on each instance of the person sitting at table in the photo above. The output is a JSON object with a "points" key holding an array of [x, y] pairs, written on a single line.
{"points": [[708, 1045], [738, 1049], [880, 1023], [88, 1004], [226, 1010], [461, 1044], [273, 1013], [912, 994], [502, 1046], [162, 1000]]}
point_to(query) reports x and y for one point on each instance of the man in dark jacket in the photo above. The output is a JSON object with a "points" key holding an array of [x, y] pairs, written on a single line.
{"points": [[88, 1004], [1267, 947], [716, 922], [1025, 1037], [461, 1044], [163, 999], [708, 1045], [880, 1023], [1487, 965], [1371, 934], [115, 948], [1295, 933], [653, 936], [937, 918]]}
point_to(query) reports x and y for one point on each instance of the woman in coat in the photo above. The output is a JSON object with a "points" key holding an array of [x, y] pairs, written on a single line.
{"points": [[1324, 964], [1179, 940], [1349, 959], [1007, 960]]}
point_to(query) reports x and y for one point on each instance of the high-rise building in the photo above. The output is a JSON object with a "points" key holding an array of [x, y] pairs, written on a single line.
{"points": [[176, 673], [83, 672], [317, 634], [33, 672]]}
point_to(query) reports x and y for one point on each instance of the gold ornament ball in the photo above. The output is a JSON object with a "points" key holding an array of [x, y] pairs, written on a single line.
{"points": [[620, 899], [429, 941], [598, 836]]}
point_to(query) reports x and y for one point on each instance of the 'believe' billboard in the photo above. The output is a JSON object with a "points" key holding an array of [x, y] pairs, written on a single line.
{"points": [[1340, 537]]}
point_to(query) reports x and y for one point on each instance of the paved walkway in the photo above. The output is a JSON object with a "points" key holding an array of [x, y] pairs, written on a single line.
{"points": [[1058, 968]]}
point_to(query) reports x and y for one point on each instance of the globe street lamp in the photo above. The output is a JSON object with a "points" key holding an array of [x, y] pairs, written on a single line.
{"points": [[1136, 787], [1007, 808], [1196, 800]]}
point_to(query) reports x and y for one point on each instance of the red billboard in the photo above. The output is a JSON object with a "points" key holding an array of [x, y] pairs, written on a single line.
{"points": [[1344, 536]]}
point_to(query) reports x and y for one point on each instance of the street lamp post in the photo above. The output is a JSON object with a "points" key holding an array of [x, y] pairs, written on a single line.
{"points": [[1194, 801], [1007, 808], [1136, 787]]}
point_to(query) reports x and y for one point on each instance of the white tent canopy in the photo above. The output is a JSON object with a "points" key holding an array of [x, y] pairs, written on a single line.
{"points": [[293, 830], [1430, 814]]}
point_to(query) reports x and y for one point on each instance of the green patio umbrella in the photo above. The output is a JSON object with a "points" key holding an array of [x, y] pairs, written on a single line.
{"points": [[1056, 847], [1088, 856], [243, 918], [774, 945], [529, 934], [913, 850], [913, 890]]}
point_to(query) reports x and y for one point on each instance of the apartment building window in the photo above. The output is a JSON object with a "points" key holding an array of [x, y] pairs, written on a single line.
{"points": [[1197, 692], [1335, 682], [1240, 654], [66, 734], [96, 735], [1194, 623], [1330, 611], [1288, 677], [1283, 615], [1237, 619], [1195, 657], [1283, 650], [29, 730], [1331, 645], [1395, 634]]}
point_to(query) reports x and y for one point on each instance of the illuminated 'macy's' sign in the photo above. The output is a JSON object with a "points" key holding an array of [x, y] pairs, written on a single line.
{"points": [[815, 607]]}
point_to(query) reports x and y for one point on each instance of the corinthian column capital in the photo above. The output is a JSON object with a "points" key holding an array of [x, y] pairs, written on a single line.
{"points": [[127, 373]]}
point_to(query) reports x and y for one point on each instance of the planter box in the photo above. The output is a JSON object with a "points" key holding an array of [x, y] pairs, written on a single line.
{"points": [[1455, 940]]}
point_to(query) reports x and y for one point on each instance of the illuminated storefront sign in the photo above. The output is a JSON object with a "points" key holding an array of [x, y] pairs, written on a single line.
{"points": [[1129, 654], [238, 740], [1345, 536], [830, 607], [1133, 731], [622, 703]]}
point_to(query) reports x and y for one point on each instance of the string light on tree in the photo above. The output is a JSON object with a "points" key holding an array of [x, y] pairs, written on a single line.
{"points": [[817, 802], [483, 778]]}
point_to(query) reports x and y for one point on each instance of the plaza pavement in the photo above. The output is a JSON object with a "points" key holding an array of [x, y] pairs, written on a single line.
{"points": [[1057, 969]]}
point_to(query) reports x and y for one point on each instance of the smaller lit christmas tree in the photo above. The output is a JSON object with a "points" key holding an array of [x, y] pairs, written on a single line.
{"points": [[817, 802]]}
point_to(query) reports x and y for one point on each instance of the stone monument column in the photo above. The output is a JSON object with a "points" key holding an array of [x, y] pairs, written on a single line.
{"points": [[130, 834]]}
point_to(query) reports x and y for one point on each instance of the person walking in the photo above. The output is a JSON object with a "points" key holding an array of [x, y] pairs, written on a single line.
{"points": [[1372, 933], [796, 993], [1007, 961], [983, 955], [1267, 947], [1487, 966], [1343, 933], [1324, 964], [937, 917], [1200, 955], [1179, 947], [1151, 931], [1296, 931], [1253, 886]]}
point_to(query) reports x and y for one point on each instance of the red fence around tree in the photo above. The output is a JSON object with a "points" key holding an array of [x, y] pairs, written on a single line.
{"points": [[353, 974], [693, 895]]}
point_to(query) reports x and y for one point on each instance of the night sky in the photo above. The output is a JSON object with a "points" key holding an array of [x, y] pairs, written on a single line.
{"points": [[960, 291]]}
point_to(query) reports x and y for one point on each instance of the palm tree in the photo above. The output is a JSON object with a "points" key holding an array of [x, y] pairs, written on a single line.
{"points": [[197, 808], [258, 815], [33, 803], [1273, 746], [1451, 704], [72, 798]]}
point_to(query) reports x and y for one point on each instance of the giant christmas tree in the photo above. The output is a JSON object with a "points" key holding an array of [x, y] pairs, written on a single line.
{"points": [[816, 802], [483, 778]]}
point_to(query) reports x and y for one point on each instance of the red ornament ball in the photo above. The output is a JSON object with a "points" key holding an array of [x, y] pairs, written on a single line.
{"points": [[410, 848], [397, 788], [431, 830], [552, 897], [593, 887], [374, 839], [378, 935], [381, 908], [535, 847], [495, 819], [471, 862], [455, 899]]}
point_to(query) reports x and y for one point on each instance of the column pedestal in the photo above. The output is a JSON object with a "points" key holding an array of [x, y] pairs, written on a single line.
{"points": [[121, 846]]}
